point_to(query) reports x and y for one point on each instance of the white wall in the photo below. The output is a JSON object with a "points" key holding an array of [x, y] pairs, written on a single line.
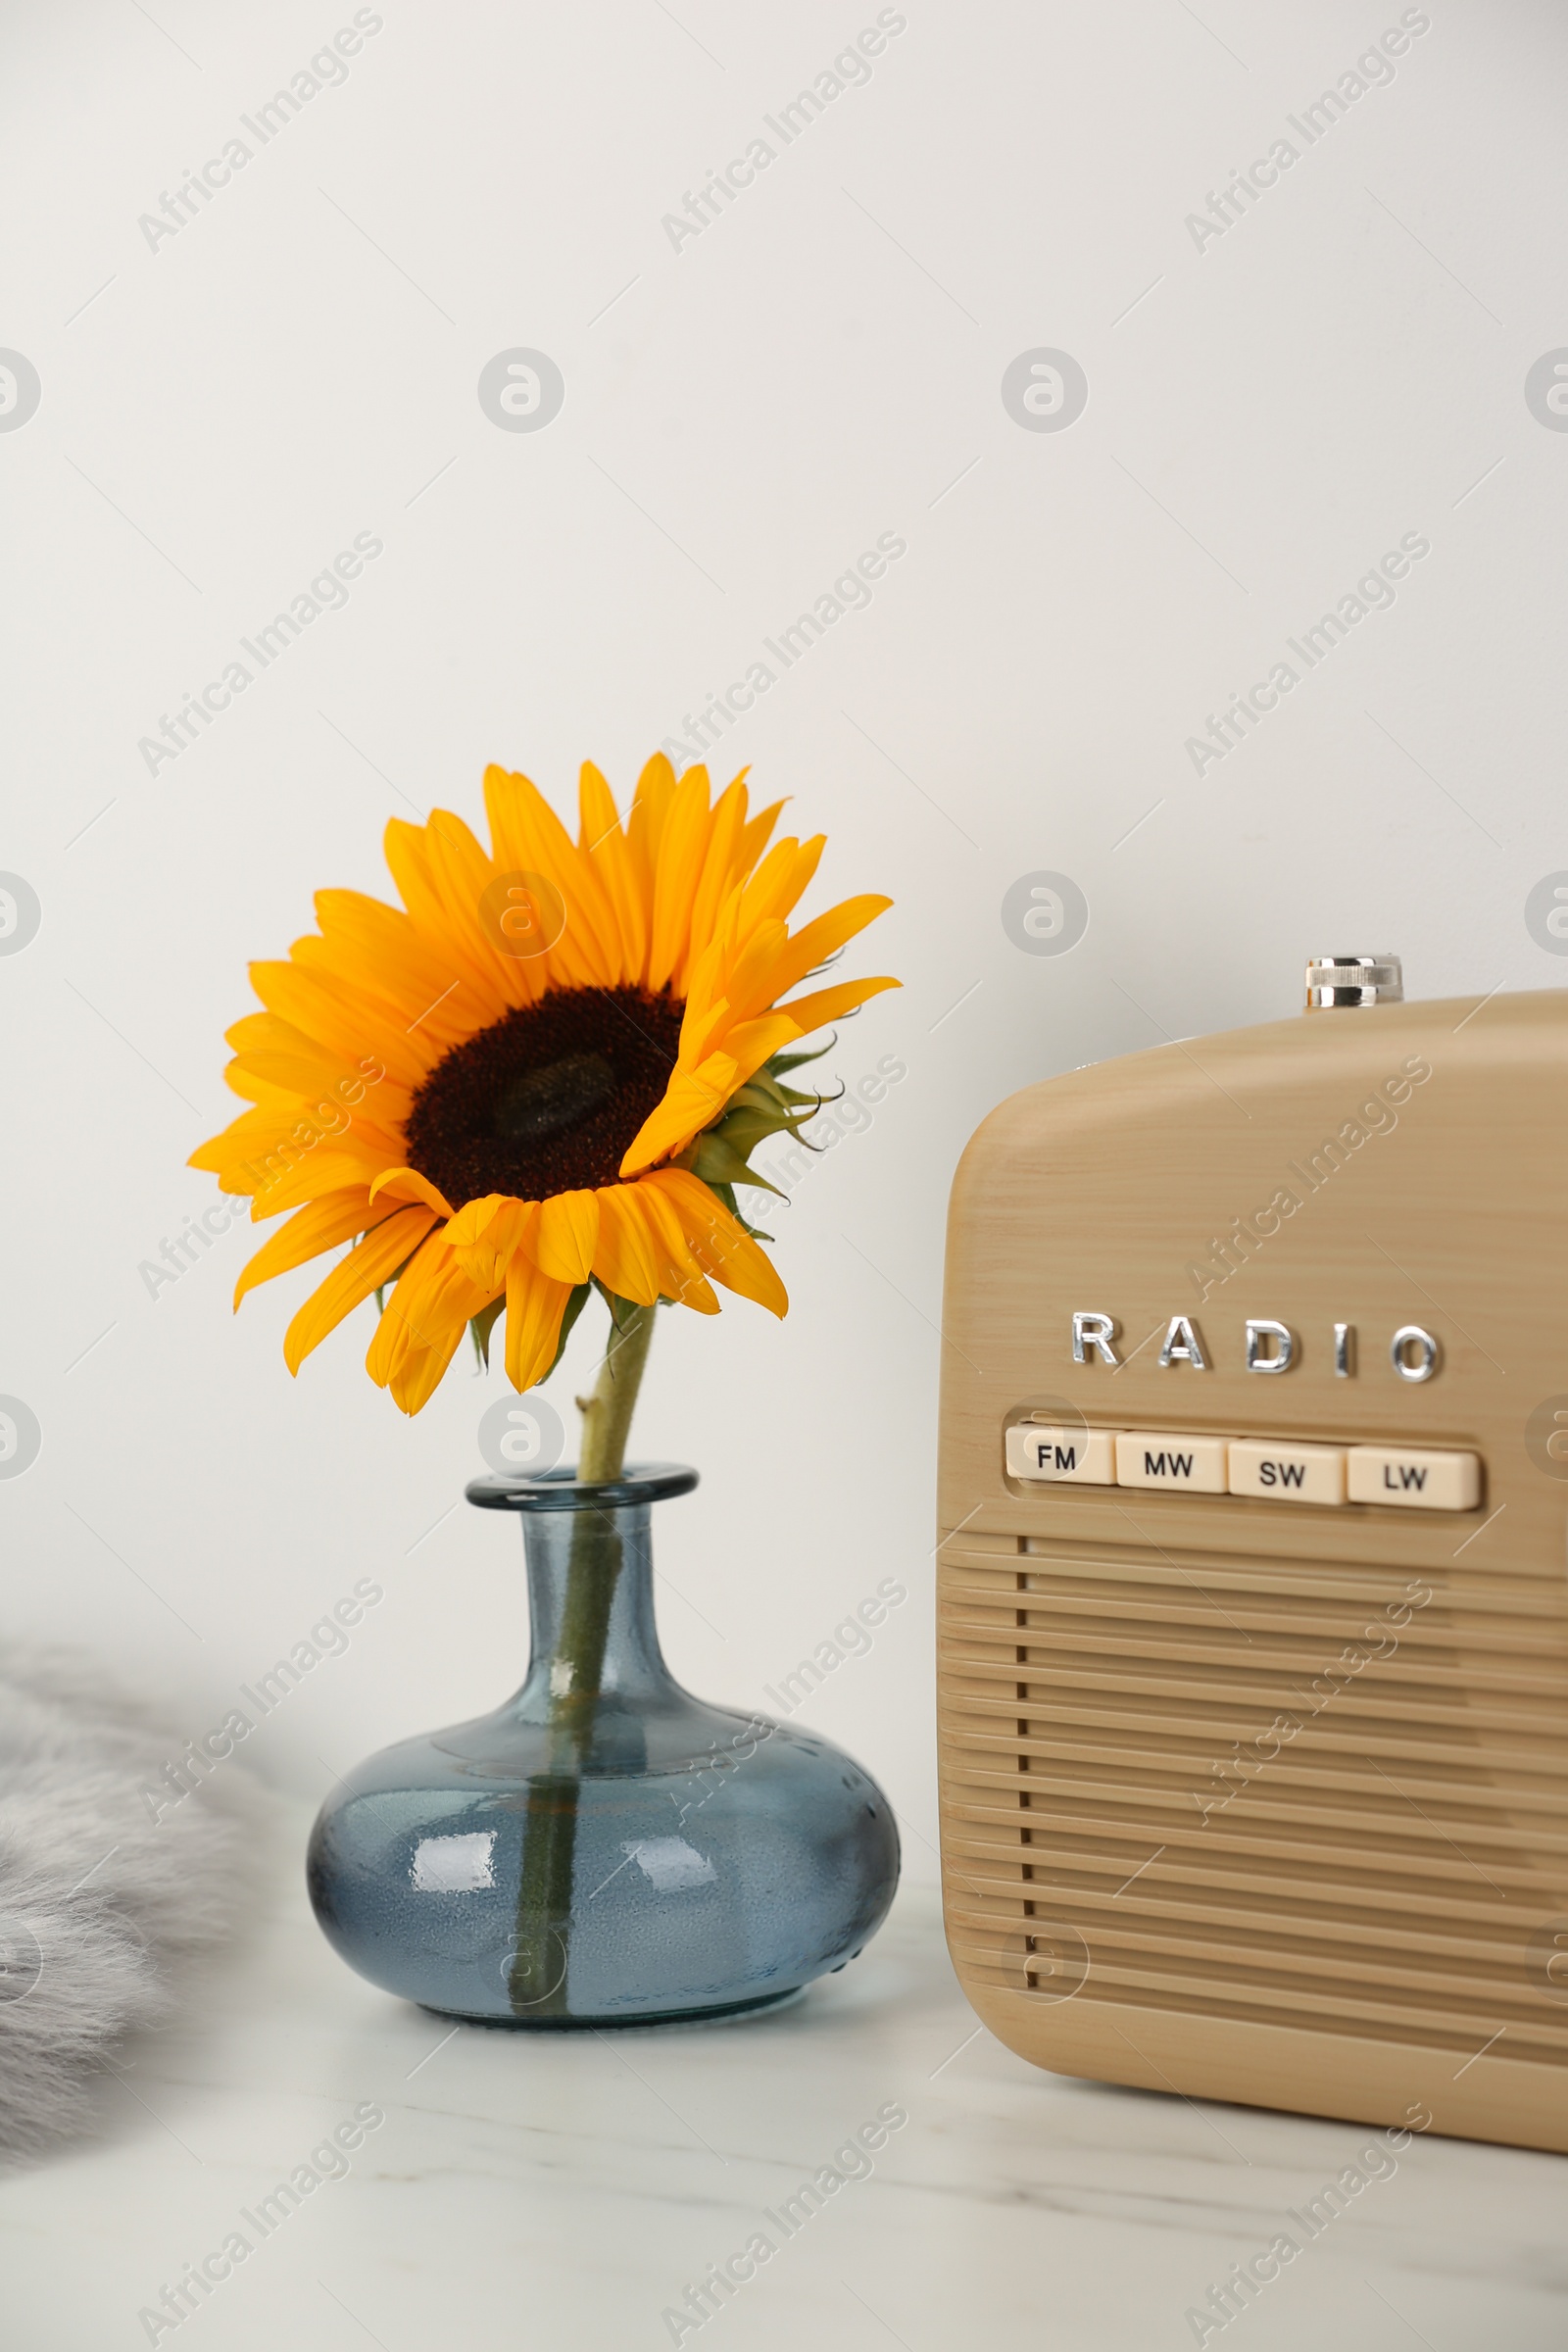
{"points": [[1267, 414]]}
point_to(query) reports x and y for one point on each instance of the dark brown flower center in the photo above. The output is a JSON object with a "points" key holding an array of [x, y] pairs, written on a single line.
{"points": [[547, 1098]]}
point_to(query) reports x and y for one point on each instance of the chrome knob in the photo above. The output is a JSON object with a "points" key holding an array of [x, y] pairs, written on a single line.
{"points": [[1333, 981]]}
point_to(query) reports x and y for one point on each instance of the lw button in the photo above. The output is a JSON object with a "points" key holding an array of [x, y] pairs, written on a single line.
{"points": [[1193, 1465], [1285, 1473], [1037, 1449], [1414, 1479]]}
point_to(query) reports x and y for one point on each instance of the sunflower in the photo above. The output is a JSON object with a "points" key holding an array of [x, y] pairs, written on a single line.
{"points": [[543, 1073]]}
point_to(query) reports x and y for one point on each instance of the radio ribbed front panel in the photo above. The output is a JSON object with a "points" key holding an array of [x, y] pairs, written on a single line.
{"points": [[1123, 1788]]}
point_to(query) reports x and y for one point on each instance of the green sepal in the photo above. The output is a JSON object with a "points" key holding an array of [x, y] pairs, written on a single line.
{"points": [[746, 1126], [726, 1194], [716, 1161], [778, 1063], [759, 1096], [763, 1107], [481, 1325]]}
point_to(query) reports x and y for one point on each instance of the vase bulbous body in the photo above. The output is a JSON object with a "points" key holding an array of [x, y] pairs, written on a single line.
{"points": [[604, 1848]]}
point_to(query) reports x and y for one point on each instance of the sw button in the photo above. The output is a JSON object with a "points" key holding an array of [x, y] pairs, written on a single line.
{"points": [[1196, 1465], [1414, 1479], [1285, 1473], [1079, 1456]]}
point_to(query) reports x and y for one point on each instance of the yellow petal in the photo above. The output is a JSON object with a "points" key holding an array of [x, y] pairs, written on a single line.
{"points": [[320, 1225], [567, 1232], [751, 980], [750, 992], [778, 882], [755, 839], [462, 875], [365, 1268], [469, 1222], [749, 1045], [393, 1335], [681, 856], [702, 1024], [603, 841], [326, 1086], [485, 1245], [693, 1101], [406, 1184], [366, 1000], [408, 853], [349, 1031], [427, 1304], [422, 1370], [528, 837], [723, 871], [299, 1151], [680, 1281], [832, 1004], [309, 1178], [718, 1241], [378, 947], [644, 827], [623, 1258], [535, 1304], [438, 1303], [231, 1145]]}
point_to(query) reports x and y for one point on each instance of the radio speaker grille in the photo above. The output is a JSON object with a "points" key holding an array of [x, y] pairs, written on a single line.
{"points": [[1305, 1794]]}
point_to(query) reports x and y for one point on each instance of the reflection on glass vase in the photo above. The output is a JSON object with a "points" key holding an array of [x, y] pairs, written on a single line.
{"points": [[603, 1850]]}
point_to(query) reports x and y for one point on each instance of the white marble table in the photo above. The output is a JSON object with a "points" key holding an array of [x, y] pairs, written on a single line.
{"points": [[563, 2192]]}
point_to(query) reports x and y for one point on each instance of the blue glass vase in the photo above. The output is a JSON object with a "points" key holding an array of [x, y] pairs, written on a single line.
{"points": [[603, 1850]]}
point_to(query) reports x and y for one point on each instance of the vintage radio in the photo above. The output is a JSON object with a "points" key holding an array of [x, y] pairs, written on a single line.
{"points": [[1254, 1627]]}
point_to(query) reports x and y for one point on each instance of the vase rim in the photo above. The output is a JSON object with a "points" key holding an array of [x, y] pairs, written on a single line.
{"points": [[562, 1490]]}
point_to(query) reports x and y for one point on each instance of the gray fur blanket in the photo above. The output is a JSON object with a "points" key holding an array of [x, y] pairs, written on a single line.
{"points": [[101, 1905]]}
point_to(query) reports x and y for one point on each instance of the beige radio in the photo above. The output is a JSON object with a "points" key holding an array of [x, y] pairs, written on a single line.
{"points": [[1253, 1619]]}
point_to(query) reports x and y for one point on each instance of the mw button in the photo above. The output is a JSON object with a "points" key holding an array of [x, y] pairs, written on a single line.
{"points": [[1193, 1465]]}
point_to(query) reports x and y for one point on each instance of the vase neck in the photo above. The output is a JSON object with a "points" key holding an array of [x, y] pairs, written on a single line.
{"points": [[590, 1609]]}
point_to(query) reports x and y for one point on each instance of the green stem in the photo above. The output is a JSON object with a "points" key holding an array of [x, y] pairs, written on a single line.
{"points": [[606, 1413], [538, 1985]]}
